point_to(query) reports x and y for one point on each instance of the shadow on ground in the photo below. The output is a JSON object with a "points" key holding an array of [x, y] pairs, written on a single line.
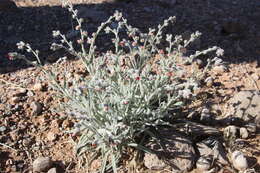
{"points": [[233, 26]]}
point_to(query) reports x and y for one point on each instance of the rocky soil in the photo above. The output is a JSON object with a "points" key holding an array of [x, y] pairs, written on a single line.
{"points": [[221, 129]]}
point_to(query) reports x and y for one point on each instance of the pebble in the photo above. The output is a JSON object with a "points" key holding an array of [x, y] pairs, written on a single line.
{"points": [[52, 170], [19, 92], [205, 116], [203, 164], [209, 81], [218, 62], [199, 63], [38, 87], [251, 127], [230, 131], [243, 133], [30, 93], [255, 76], [42, 164], [239, 161], [51, 136], [36, 108], [220, 69], [2, 128], [15, 100]]}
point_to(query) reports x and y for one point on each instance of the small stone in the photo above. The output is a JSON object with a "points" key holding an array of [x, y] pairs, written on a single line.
{"points": [[230, 132], [218, 61], [255, 76], [51, 136], [20, 92], [2, 128], [206, 118], [199, 63], [209, 82], [243, 133], [251, 127], [36, 108], [30, 93], [203, 163], [38, 87], [239, 161], [15, 100], [42, 164], [220, 69], [52, 170]]}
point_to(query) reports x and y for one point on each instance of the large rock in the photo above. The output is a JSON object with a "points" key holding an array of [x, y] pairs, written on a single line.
{"points": [[175, 152], [7, 5], [245, 105]]}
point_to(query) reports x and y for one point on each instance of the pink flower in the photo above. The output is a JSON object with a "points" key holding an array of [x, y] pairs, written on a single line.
{"points": [[161, 51], [122, 43], [125, 102], [10, 56], [169, 74]]}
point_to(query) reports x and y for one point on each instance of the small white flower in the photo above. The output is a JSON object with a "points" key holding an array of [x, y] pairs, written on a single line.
{"points": [[55, 33], [20, 45], [220, 52]]}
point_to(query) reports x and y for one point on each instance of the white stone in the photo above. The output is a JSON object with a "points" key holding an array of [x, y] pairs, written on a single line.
{"points": [[239, 161], [230, 131], [203, 164], [243, 133]]}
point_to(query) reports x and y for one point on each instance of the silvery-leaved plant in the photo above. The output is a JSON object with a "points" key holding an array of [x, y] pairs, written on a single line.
{"points": [[129, 91]]}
